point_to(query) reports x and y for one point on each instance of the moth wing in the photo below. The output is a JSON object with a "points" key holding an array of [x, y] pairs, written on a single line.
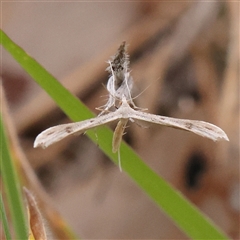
{"points": [[56, 133], [201, 128]]}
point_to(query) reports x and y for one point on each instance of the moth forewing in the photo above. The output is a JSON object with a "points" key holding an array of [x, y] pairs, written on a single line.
{"points": [[201, 128], [55, 134]]}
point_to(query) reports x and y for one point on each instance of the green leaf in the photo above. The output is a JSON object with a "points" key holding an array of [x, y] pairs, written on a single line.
{"points": [[3, 217], [12, 188], [181, 211]]}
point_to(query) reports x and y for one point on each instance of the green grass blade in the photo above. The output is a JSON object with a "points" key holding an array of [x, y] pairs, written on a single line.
{"points": [[183, 213], [12, 188], [3, 218]]}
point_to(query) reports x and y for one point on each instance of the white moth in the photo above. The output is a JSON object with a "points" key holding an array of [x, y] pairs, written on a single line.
{"points": [[123, 114], [119, 87]]}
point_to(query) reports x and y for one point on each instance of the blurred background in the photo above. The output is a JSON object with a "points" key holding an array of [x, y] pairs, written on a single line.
{"points": [[184, 61]]}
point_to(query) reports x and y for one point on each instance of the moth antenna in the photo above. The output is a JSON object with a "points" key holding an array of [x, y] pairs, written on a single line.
{"points": [[103, 111], [141, 92], [105, 95], [141, 125]]}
